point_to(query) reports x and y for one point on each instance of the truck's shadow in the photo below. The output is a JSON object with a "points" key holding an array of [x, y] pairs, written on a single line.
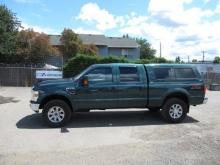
{"points": [[101, 119]]}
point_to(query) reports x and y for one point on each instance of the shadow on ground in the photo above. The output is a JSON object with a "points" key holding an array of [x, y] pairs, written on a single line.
{"points": [[101, 119], [4, 100]]}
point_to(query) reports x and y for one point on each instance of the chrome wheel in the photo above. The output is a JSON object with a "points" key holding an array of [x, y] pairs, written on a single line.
{"points": [[56, 114], [176, 111]]}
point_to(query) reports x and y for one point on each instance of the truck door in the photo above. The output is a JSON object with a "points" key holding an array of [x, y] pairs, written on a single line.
{"points": [[131, 87], [99, 93]]}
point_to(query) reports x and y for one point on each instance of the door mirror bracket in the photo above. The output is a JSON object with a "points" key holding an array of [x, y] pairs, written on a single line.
{"points": [[85, 81]]}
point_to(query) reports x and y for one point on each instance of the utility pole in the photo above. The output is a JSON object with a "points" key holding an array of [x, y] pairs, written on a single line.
{"points": [[160, 50], [203, 56]]}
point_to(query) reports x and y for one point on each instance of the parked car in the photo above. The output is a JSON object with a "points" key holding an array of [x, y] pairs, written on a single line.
{"points": [[168, 88]]}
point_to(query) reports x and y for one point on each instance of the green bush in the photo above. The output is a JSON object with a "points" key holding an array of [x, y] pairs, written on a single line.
{"points": [[144, 61], [80, 62], [112, 59], [153, 61]]}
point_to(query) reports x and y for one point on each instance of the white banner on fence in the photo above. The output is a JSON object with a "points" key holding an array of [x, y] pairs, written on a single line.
{"points": [[48, 74]]}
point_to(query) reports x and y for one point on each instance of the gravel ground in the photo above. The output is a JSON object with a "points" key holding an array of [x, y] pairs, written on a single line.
{"points": [[107, 137]]}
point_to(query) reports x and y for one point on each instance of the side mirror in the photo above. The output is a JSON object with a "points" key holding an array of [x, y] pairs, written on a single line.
{"points": [[85, 81]]}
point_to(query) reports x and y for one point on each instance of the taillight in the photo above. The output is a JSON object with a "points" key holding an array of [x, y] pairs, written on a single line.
{"points": [[199, 87], [196, 87]]}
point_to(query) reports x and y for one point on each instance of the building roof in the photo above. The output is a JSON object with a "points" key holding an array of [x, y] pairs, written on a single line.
{"points": [[121, 42], [93, 39], [99, 40], [55, 40]]}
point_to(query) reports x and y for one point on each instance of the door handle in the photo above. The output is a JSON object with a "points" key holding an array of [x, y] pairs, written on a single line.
{"points": [[141, 88], [93, 90], [113, 88], [118, 89]]}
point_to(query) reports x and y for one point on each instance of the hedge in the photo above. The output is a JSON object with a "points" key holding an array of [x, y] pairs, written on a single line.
{"points": [[80, 62], [154, 60]]}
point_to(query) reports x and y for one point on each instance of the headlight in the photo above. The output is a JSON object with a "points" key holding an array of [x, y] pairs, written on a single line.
{"points": [[34, 95]]}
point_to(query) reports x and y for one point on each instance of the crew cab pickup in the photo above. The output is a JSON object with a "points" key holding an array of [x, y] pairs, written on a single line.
{"points": [[167, 88]]}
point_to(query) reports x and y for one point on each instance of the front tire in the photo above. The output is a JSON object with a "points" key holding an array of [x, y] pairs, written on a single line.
{"points": [[174, 110], [56, 113]]}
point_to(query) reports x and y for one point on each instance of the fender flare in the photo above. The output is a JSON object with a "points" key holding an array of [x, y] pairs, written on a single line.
{"points": [[177, 92], [57, 95]]}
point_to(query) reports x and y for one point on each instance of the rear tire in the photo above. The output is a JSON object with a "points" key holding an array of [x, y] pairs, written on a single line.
{"points": [[56, 113], [174, 110]]}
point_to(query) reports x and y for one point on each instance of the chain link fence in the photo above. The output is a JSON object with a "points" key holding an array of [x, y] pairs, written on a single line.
{"points": [[211, 78], [210, 73]]}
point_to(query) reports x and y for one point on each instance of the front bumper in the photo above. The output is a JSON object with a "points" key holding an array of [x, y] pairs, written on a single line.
{"points": [[35, 107], [205, 100]]}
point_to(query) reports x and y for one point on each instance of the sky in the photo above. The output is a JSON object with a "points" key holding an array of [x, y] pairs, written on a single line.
{"points": [[184, 28]]}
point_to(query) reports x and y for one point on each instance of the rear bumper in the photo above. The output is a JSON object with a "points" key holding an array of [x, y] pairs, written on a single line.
{"points": [[35, 107], [205, 100]]}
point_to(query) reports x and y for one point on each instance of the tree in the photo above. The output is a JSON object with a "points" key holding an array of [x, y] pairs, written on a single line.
{"points": [[161, 60], [24, 39], [78, 63], [125, 36], [217, 60], [40, 48], [194, 60], [70, 43], [33, 46], [9, 26], [89, 49], [146, 51], [177, 60]]}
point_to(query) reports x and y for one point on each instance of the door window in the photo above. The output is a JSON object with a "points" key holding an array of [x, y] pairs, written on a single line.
{"points": [[102, 74], [129, 74]]}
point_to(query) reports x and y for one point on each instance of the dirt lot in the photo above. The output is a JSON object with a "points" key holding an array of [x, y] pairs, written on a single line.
{"points": [[110, 137]]}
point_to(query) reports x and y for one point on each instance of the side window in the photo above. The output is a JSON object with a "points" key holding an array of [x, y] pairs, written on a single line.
{"points": [[184, 73], [102, 74], [163, 73], [129, 74]]}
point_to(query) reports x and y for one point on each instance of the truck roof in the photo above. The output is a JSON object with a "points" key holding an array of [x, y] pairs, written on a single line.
{"points": [[110, 64], [179, 65], [151, 65]]}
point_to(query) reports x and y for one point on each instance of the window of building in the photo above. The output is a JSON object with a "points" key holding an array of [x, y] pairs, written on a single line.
{"points": [[124, 52]]}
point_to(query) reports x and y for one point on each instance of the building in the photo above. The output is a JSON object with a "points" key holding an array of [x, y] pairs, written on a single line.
{"points": [[115, 46]]}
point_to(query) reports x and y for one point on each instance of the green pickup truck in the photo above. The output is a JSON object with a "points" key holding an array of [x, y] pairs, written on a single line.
{"points": [[167, 88]]}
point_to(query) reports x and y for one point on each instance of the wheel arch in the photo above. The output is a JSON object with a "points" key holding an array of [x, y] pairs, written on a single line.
{"points": [[177, 94], [55, 97]]}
